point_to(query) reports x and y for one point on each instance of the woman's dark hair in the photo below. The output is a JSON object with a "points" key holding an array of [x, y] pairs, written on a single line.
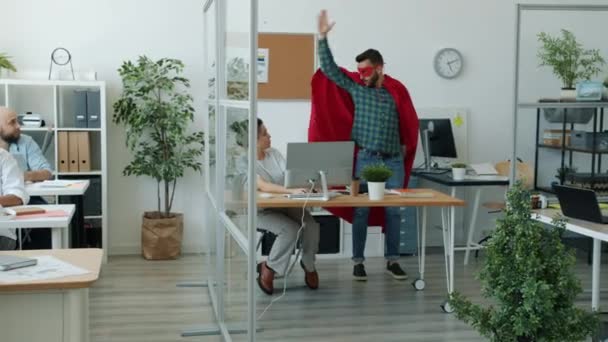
{"points": [[260, 123]]}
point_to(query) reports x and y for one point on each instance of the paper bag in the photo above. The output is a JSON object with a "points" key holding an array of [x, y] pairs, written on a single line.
{"points": [[161, 238]]}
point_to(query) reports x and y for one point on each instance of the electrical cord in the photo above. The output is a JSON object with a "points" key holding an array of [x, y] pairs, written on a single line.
{"points": [[302, 226]]}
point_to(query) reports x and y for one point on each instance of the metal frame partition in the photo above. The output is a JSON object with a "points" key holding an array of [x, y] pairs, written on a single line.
{"points": [[216, 187], [520, 8]]}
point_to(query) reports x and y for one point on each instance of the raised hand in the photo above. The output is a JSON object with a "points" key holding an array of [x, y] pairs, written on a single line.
{"points": [[324, 25]]}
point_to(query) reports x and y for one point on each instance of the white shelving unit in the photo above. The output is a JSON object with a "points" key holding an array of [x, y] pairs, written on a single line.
{"points": [[53, 100]]}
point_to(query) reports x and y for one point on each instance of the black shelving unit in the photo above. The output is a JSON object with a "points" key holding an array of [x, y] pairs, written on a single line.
{"points": [[566, 150]]}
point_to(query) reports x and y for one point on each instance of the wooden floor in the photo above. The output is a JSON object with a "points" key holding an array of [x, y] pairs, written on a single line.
{"points": [[137, 300]]}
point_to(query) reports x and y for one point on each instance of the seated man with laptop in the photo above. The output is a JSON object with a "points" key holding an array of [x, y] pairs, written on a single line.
{"points": [[33, 165], [580, 204], [285, 223], [12, 193]]}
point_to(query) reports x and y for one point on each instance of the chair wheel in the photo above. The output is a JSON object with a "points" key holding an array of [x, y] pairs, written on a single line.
{"points": [[446, 307], [419, 284]]}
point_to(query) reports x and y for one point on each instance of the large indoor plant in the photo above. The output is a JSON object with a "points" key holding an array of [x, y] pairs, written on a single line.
{"points": [[157, 112], [528, 275], [6, 64]]}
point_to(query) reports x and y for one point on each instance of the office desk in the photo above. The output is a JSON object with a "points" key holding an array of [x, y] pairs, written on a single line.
{"points": [[447, 203], [53, 310], [76, 192], [445, 179], [59, 225], [598, 232]]}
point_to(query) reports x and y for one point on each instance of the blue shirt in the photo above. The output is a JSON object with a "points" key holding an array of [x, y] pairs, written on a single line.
{"points": [[29, 155]]}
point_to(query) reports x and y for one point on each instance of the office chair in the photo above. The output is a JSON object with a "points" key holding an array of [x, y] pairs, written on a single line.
{"points": [[524, 172]]}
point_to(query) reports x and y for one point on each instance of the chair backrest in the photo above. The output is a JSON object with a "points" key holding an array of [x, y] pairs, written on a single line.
{"points": [[524, 172]]}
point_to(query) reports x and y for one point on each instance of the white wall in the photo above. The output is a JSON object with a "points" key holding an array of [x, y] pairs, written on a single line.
{"points": [[101, 35]]}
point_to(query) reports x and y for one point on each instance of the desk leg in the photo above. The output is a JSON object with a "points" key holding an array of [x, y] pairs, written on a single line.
{"points": [[78, 233], [419, 284], [472, 225], [65, 237], [57, 238], [595, 276], [449, 218]]}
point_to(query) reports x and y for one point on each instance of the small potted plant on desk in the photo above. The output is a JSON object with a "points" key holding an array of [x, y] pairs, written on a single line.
{"points": [[376, 177], [459, 170]]}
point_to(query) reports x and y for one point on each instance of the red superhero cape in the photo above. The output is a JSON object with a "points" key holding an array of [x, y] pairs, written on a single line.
{"points": [[331, 119]]}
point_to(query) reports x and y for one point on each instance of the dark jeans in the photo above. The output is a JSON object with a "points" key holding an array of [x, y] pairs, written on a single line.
{"points": [[393, 214], [39, 238]]}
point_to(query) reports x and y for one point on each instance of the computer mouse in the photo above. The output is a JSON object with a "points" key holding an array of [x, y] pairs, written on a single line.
{"points": [[265, 195]]}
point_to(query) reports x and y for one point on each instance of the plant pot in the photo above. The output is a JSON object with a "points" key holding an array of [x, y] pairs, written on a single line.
{"points": [[161, 238], [568, 94], [376, 190], [458, 173]]}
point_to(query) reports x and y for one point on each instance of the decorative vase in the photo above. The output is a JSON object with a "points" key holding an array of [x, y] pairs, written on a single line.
{"points": [[458, 173], [376, 190]]}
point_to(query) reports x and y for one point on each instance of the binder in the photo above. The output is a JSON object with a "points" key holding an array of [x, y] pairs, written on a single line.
{"points": [[73, 151], [84, 151], [62, 138], [80, 108], [93, 109]]}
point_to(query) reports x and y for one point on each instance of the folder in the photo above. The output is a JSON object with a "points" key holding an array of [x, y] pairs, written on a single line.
{"points": [[80, 108], [84, 151], [93, 109], [73, 151], [63, 151]]}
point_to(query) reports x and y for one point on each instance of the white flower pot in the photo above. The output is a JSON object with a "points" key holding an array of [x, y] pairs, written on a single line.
{"points": [[568, 94], [376, 190], [458, 173]]}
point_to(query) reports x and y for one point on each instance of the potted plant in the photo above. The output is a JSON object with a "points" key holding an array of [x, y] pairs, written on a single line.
{"points": [[157, 112], [459, 170], [564, 172], [569, 60], [376, 177], [528, 276], [5, 64]]}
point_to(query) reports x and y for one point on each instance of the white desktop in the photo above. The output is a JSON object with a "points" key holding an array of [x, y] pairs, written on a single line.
{"points": [[318, 166]]}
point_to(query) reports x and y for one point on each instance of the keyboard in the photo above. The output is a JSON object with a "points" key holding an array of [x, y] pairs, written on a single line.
{"points": [[312, 197]]}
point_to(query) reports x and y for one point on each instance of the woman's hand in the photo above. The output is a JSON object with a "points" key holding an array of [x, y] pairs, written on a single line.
{"points": [[298, 191]]}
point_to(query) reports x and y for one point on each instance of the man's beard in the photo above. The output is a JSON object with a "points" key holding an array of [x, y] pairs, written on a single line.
{"points": [[373, 80], [10, 139]]}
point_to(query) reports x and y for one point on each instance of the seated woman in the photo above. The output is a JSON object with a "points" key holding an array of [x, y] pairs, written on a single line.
{"points": [[285, 223]]}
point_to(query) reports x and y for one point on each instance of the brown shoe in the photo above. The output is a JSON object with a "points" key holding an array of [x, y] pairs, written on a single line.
{"points": [[310, 278], [265, 278]]}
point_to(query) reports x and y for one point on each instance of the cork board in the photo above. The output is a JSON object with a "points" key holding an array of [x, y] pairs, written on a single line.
{"points": [[291, 61]]}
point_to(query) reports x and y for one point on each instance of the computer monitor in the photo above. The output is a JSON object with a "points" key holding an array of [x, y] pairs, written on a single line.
{"points": [[437, 140], [324, 163]]}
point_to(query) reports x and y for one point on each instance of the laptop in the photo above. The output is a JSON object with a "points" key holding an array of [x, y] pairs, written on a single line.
{"points": [[579, 203]]}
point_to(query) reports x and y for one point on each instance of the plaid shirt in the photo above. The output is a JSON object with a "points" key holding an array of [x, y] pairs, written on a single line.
{"points": [[376, 124]]}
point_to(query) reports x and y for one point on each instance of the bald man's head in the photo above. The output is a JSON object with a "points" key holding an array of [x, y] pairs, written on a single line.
{"points": [[10, 131]]}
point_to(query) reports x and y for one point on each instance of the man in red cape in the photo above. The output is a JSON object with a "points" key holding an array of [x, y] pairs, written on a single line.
{"points": [[376, 112]]}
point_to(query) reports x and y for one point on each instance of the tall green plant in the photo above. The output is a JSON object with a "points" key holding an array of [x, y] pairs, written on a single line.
{"points": [[157, 111], [569, 60], [528, 275], [5, 63]]}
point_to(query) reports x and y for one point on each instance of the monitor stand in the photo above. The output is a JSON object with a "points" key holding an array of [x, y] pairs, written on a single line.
{"points": [[427, 156]]}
